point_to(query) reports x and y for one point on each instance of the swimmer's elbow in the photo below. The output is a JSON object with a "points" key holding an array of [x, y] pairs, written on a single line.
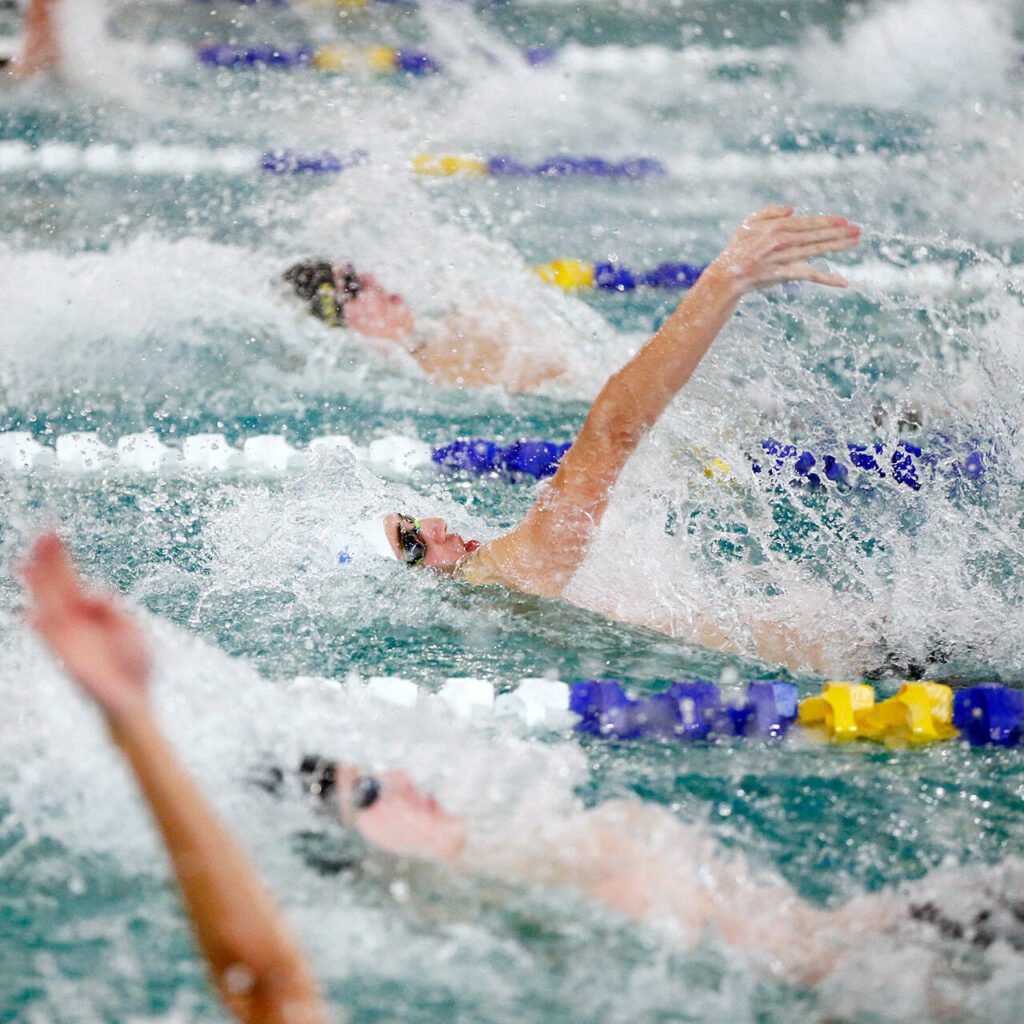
{"points": [[265, 989], [254, 969]]}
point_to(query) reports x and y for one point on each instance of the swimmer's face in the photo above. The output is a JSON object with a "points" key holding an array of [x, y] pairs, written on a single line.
{"points": [[377, 312], [402, 819], [444, 549]]}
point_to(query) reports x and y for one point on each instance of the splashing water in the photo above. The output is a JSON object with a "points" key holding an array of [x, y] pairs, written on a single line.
{"points": [[144, 300]]}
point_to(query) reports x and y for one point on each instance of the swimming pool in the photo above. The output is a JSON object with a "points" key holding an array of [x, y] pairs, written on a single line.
{"points": [[138, 296]]}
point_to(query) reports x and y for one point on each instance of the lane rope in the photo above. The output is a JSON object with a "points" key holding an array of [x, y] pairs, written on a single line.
{"points": [[58, 158], [697, 710], [341, 59], [900, 462]]}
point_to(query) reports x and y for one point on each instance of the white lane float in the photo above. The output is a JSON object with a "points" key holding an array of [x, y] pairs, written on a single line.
{"points": [[210, 454]]}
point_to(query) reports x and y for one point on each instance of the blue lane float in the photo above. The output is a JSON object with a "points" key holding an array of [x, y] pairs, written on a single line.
{"points": [[288, 161], [632, 168], [904, 464], [989, 713], [536, 459], [687, 710]]}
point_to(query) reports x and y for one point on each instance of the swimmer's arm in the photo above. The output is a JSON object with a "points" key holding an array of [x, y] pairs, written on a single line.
{"points": [[40, 50], [255, 964], [257, 967], [770, 247]]}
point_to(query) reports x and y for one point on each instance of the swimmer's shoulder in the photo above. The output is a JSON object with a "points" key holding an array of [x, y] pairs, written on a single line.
{"points": [[511, 561], [481, 568]]}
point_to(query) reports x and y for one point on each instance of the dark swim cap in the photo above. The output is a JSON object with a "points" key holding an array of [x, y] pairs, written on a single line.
{"points": [[314, 281]]}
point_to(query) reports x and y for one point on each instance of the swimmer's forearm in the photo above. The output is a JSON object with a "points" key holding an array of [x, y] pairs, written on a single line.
{"points": [[634, 398], [40, 50], [256, 965], [646, 385]]}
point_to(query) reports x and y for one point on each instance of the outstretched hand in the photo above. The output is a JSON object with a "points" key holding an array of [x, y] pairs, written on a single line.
{"points": [[772, 246], [101, 646]]}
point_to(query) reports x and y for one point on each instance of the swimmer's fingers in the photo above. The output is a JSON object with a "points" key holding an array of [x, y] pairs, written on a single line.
{"points": [[815, 223], [770, 212], [799, 251], [51, 578], [100, 645], [805, 272], [841, 232]]}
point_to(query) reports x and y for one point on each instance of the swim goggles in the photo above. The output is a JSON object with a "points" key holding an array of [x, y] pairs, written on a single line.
{"points": [[410, 540], [320, 779]]}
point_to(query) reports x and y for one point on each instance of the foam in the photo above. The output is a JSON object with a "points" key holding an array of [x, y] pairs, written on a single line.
{"points": [[920, 53]]}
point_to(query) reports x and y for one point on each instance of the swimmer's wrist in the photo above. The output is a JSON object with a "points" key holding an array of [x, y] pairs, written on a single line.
{"points": [[122, 714], [725, 280]]}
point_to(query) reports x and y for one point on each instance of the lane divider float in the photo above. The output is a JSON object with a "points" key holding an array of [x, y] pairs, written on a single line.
{"points": [[525, 459], [449, 165], [695, 709], [901, 462], [574, 274], [60, 158], [341, 59], [84, 453], [55, 158]]}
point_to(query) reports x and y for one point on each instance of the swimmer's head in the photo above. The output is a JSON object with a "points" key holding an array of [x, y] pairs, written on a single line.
{"points": [[390, 812], [327, 287], [426, 542], [341, 297]]}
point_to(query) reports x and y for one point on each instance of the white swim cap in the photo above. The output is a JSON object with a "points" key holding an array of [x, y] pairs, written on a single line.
{"points": [[362, 540]]}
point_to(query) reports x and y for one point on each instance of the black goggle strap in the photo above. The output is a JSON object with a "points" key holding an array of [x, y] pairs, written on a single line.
{"points": [[319, 776], [411, 543], [351, 284]]}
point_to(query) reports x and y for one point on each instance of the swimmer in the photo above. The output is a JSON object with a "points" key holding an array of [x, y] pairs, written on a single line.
{"points": [[638, 859], [635, 858], [255, 964], [472, 347], [541, 554], [40, 49]]}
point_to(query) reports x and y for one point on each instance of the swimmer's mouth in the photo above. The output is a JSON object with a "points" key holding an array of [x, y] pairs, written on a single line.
{"points": [[471, 546]]}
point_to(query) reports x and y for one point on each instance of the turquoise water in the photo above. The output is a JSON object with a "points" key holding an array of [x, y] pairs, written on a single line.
{"points": [[146, 301]]}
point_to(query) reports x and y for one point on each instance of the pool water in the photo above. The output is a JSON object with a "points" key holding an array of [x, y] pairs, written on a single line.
{"points": [[137, 300]]}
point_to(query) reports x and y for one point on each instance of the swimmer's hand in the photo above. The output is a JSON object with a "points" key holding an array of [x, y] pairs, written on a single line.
{"points": [[772, 246], [100, 645]]}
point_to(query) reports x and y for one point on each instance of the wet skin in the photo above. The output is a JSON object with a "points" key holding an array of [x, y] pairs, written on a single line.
{"points": [[402, 820], [377, 312]]}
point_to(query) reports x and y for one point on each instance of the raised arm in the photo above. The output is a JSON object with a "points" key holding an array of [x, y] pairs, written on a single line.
{"points": [[258, 969], [40, 49], [771, 246]]}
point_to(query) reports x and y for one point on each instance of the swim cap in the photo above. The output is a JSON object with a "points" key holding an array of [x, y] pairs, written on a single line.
{"points": [[326, 289], [363, 540]]}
